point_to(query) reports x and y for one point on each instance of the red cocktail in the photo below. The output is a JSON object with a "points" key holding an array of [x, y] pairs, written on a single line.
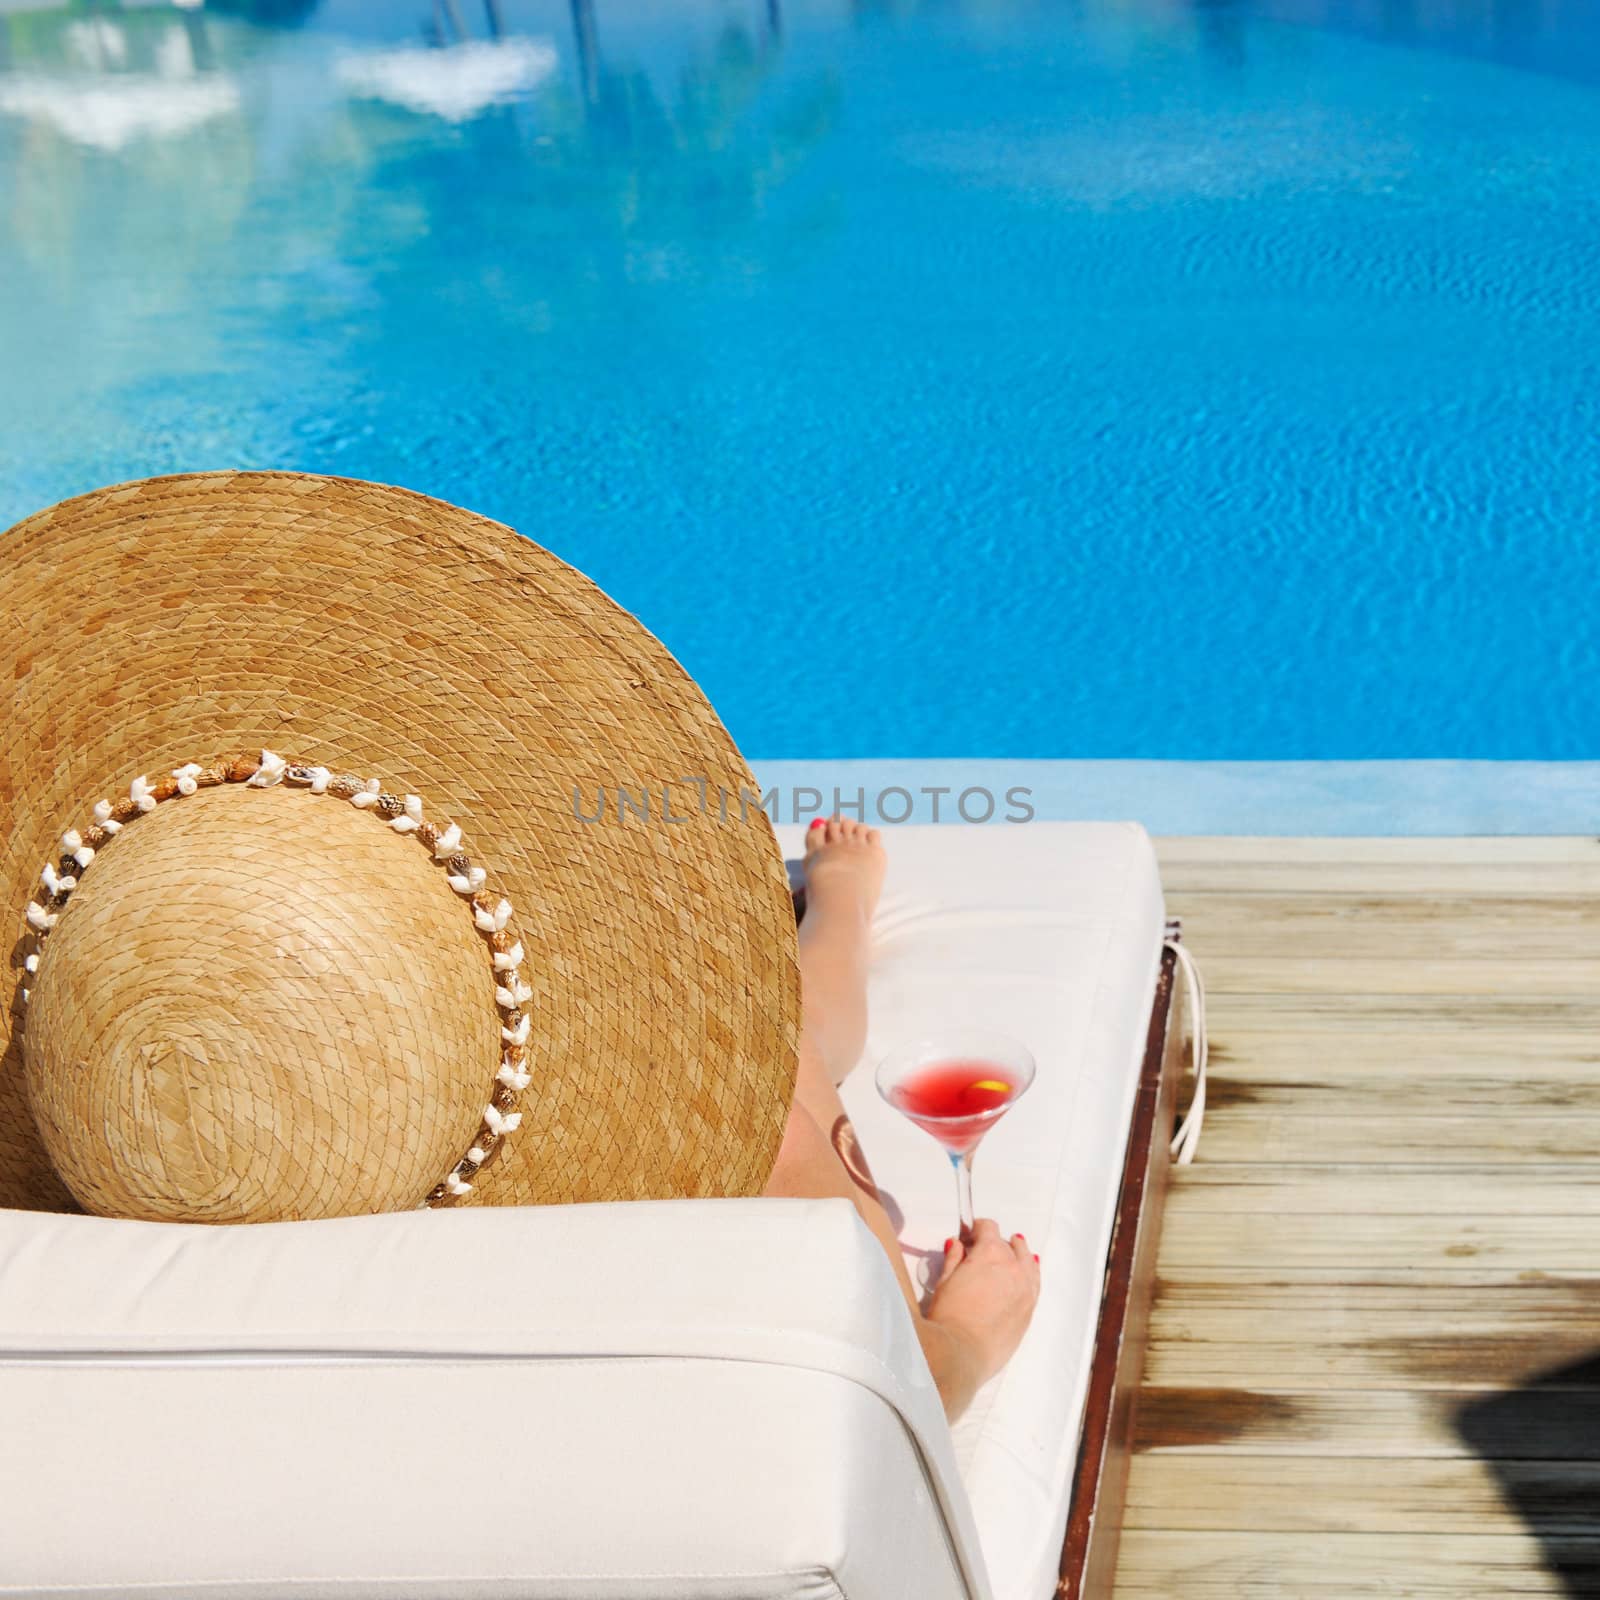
{"points": [[956, 1088], [955, 1101]]}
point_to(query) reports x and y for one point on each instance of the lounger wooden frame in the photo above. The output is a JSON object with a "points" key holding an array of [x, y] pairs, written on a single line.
{"points": [[1094, 1517]]}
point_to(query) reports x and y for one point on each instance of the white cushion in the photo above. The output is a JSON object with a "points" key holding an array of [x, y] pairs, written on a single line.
{"points": [[1051, 932], [678, 1401]]}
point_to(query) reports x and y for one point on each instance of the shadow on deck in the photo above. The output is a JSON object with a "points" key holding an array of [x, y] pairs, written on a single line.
{"points": [[1542, 1443]]}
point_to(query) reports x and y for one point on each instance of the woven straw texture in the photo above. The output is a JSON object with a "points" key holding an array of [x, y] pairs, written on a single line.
{"points": [[280, 1001]]}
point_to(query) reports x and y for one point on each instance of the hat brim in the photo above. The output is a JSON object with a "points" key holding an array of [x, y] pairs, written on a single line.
{"points": [[371, 629]]}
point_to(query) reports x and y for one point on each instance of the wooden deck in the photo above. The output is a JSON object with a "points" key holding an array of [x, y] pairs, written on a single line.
{"points": [[1374, 1360]]}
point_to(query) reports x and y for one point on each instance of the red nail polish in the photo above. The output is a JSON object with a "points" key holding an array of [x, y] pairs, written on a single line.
{"points": [[819, 822], [1036, 1258], [949, 1245]]}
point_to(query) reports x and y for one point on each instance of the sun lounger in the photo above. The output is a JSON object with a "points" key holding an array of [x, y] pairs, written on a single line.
{"points": [[676, 1401], [1053, 933]]}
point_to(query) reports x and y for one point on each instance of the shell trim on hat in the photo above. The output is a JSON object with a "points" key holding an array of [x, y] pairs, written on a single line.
{"points": [[404, 815]]}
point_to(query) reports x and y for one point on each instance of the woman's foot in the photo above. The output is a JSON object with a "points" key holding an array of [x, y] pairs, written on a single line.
{"points": [[844, 865], [981, 1309]]}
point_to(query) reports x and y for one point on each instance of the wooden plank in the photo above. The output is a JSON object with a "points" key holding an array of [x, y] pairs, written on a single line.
{"points": [[1404, 1330], [1385, 1137], [1262, 1027], [1334, 926], [1199, 1566], [1325, 1021], [1553, 1422], [1354, 1244], [1555, 880], [1319, 1189], [1261, 1072], [1476, 1291], [1310, 850], [1389, 1355], [1362, 1495], [1370, 977]]}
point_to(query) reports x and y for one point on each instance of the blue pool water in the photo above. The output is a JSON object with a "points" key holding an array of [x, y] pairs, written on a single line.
{"points": [[1112, 378]]}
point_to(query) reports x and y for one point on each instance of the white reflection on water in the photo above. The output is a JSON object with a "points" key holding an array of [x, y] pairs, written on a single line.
{"points": [[455, 82], [108, 88], [101, 99], [110, 113]]}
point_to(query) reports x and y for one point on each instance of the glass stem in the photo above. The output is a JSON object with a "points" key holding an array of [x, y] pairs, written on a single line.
{"points": [[963, 1166]]}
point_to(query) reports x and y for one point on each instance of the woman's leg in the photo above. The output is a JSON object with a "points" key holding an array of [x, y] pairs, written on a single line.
{"points": [[987, 1289], [844, 875]]}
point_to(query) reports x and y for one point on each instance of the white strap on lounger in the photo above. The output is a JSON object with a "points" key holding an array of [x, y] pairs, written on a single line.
{"points": [[1187, 1139]]}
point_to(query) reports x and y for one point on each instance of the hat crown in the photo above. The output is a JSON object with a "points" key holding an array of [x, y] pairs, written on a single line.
{"points": [[259, 1006]]}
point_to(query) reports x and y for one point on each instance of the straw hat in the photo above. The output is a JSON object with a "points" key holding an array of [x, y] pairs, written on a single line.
{"points": [[309, 919]]}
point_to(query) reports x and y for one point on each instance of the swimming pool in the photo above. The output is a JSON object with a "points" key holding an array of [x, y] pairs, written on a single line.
{"points": [[1153, 379]]}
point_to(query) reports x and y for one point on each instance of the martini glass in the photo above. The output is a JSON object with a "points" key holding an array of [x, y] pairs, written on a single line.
{"points": [[955, 1086]]}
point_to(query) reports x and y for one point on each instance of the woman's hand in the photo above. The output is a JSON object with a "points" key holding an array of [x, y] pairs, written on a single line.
{"points": [[979, 1311]]}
